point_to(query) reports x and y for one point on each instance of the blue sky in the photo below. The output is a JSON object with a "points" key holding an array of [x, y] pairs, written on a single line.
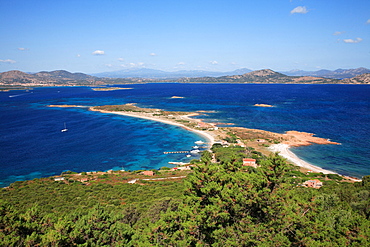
{"points": [[93, 36]]}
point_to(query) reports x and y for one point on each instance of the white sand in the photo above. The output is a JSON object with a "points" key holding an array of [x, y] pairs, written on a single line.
{"points": [[210, 138], [284, 151]]}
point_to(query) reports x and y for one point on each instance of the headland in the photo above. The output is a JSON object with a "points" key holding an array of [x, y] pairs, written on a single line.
{"points": [[265, 142]]}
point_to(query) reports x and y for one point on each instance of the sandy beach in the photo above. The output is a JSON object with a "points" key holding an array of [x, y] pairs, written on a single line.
{"points": [[284, 151], [282, 148], [289, 139], [208, 136]]}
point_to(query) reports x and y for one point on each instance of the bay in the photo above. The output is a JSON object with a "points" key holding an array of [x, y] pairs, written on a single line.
{"points": [[32, 145]]}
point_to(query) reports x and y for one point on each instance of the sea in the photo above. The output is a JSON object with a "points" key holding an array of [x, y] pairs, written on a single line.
{"points": [[33, 146]]}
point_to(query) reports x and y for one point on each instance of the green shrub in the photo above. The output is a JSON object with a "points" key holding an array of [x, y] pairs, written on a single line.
{"points": [[334, 177]]}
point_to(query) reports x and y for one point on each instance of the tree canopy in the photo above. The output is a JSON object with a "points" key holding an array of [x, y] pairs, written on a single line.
{"points": [[221, 203]]}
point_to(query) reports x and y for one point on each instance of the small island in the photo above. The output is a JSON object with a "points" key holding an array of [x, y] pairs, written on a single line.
{"points": [[110, 88], [67, 106], [263, 105]]}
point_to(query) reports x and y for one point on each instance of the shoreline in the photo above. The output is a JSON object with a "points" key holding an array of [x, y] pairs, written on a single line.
{"points": [[284, 151], [208, 136], [294, 138]]}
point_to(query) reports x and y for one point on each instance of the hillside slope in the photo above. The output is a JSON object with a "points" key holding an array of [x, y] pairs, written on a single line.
{"points": [[261, 76]]}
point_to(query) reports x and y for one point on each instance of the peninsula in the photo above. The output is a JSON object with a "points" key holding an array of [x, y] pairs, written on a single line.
{"points": [[181, 119], [262, 141]]}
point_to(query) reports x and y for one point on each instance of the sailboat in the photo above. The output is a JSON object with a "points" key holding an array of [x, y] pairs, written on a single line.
{"points": [[65, 128]]}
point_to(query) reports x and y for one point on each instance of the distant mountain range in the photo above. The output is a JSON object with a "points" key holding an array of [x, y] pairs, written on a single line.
{"points": [[261, 76], [53, 78], [334, 74], [62, 74], [65, 78], [160, 74]]}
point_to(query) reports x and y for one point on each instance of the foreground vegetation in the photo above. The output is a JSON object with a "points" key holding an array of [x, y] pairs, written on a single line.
{"points": [[220, 203]]}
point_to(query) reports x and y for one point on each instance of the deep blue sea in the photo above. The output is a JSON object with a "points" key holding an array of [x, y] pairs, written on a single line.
{"points": [[32, 144]]}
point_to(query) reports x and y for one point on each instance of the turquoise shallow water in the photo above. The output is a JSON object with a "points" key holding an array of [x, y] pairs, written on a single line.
{"points": [[33, 146]]}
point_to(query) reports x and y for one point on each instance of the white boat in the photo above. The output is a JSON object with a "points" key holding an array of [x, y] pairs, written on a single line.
{"points": [[199, 142], [194, 151], [65, 128], [195, 147]]}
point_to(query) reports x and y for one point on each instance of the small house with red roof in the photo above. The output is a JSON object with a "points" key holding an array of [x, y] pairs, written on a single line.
{"points": [[249, 162]]}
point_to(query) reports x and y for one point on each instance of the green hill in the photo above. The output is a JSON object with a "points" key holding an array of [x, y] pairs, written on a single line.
{"points": [[220, 203]]}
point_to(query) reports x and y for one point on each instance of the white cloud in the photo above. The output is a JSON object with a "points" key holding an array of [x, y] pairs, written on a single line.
{"points": [[78, 55], [22, 49], [121, 59], [153, 54], [213, 62], [7, 61], [368, 21], [98, 52], [338, 33], [181, 63], [299, 10], [353, 41]]}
